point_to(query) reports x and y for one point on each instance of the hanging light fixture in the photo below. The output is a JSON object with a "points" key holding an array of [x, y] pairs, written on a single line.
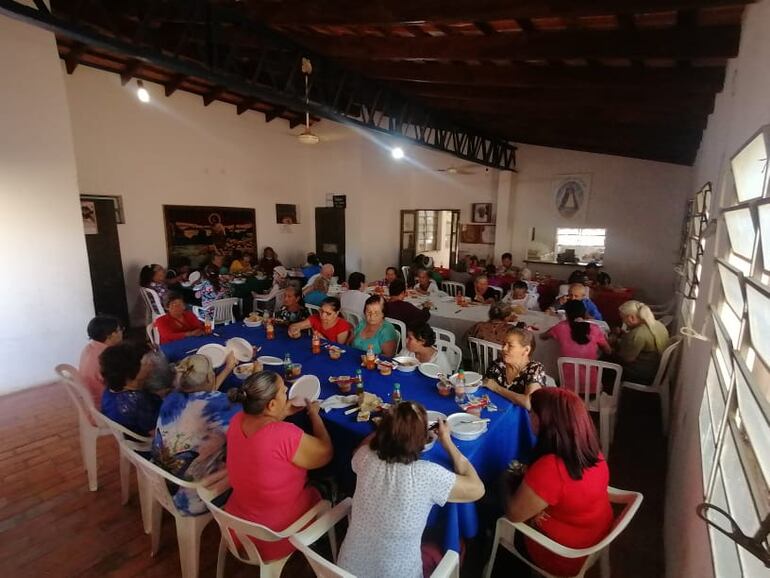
{"points": [[307, 136], [141, 92]]}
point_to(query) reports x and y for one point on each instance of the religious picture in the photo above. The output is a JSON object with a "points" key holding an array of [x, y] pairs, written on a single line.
{"points": [[90, 226], [286, 214], [571, 196], [482, 212], [477, 234]]}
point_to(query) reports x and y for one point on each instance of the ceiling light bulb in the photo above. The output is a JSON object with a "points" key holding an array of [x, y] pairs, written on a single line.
{"points": [[397, 153], [141, 92]]}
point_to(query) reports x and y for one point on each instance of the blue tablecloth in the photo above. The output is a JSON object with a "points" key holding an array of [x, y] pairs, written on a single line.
{"points": [[508, 437]]}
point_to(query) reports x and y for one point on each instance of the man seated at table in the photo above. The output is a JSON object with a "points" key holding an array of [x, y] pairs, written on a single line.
{"points": [[355, 297], [425, 285], [391, 274], [577, 291], [506, 266], [399, 309], [327, 272], [519, 295], [479, 290]]}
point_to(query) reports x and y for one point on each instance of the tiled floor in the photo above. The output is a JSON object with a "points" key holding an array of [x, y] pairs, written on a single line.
{"points": [[51, 525]]}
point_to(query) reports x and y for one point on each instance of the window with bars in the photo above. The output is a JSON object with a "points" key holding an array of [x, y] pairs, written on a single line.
{"points": [[735, 412], [427, 230], [694, 241], [586, 244]]}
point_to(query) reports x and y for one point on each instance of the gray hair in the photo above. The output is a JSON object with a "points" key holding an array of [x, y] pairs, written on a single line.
{"points": [[194, 373], [499, 310], [256, 392], [644, 313]]}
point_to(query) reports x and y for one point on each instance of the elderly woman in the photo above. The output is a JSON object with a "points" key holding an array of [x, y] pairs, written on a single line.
{"points": [[316, 292], [292, 310], [421, 345], [374, 330], [210, 288], [328, 322], [269, 261], [395, 492], [515, 375], [479, 290], [103, 331], [268, 458], [178, 322], [425, 285], [640, 348], [192, 425], [125, 401], [154, 277], [579, 292], [496, 329], [564, 491]]}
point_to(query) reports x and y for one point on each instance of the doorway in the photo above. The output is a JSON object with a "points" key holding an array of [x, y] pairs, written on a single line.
{"points": [[330, 238], [430, 232], [104, 259]]}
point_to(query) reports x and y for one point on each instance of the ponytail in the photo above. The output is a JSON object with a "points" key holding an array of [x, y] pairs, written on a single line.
{"points": [[579, 329], [646, 316]]}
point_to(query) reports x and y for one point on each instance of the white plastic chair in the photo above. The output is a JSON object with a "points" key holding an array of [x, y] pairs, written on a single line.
{"points": [[351, 317], [485, 352], [449, 567], [401, 327], [453, 352], [152, 302], [188, 528], [499, 291], [550, 381], [222, 311], [314, 309], [444, 335], [662, 382], [261, 302], [89, 426], [453, 288], [405, 273], [237, 534], [152, 334], [596, 400], [506, 530]]}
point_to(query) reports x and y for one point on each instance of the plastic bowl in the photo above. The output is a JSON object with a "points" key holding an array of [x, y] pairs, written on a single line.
{"points": [[406, 364], [244, 370], [461, 430]]}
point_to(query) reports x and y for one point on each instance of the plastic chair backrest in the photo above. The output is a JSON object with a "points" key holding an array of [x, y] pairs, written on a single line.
{"points": [[485, 352], [665, 362], [401, 327], [550, 381], [405, 273], [77, 391], [314, 309], [125, 437], [444, 335], [157, 478], [152, 334], [279, 299], [152, 301], [223, 310], [454, 354], [353, 318], [499, 291], [584, 377], [453, 288]]}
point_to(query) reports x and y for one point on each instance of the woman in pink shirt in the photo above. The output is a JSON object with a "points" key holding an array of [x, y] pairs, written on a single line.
{"points": [[268, 459], [578, 338], [103, 331]]}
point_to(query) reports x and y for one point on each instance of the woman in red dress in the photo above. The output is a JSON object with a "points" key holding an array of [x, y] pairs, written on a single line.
{"points": [[178, 322]]}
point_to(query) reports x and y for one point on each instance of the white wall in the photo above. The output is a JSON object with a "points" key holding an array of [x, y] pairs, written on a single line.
{"points": [[47, 299], [640, 203], [740, 110]]}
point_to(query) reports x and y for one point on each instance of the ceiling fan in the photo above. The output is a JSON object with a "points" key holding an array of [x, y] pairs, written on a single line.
{"points": [[466, 169], [307, 136]]}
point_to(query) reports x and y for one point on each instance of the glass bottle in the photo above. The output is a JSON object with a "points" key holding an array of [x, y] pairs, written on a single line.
{"points": [[287, 366], [315, 343], [370, 358], [359, 386], [395, 397], [269, 328], [460, 387]]}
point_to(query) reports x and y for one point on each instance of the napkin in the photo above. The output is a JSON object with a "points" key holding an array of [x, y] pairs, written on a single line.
{"points": [[338, 401]]}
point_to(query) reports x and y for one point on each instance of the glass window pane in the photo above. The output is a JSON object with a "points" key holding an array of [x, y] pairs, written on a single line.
{"points": [[601, 232], [740, 229], [716, 399], [707, 439], [759, 321], [724, 353], [567, 231], [749, 167], [764, 232], [723, 549], [731, 322], [755, 423], [731, 285], [739, 496]]}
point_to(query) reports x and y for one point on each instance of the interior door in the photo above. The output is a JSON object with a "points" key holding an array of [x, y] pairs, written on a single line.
{"points": [[408, 238], [454, 239], [330, 238], [104, 259]]}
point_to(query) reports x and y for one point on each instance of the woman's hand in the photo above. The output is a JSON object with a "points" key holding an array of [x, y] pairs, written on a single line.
{"points": [[443, 433], [230, 361], [313, 407], [294, 331]]}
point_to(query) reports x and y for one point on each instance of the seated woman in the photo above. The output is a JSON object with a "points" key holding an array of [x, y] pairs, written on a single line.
{"points": [[328, 322], [210, 288], [496, 329], [577, 338], [374, 330], [280, 281], [519, 296], [317, 291], [293, 309], [425, 285], [178, 322], [391, 274], [268, 458], [192, 426], [241, 263], [479, 290], [269, 261], [395, 492], [125, 401], [103, 331], [154, 277], [564, 491], [640, 348], [216, 266], [515, 376], [421, 345]]}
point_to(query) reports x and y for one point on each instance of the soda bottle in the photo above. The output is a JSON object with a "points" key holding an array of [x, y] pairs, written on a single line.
{"points": [[287, 366], [315, 343], [208, 323], [460, 387], [395, 397], [269, 328], [359, 386], [370, 357]]}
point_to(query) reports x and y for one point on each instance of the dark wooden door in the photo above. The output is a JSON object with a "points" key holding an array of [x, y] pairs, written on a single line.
{"points": [[408, 242], [106, 265], [330, 238]]}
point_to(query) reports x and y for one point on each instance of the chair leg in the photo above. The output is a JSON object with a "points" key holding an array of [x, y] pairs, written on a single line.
{"points": [[333, 543], [222, 557], [88, 439], [125, 480], [493, 555], [604, 564], [664, 406], [188, 535], [272, 570], [604, 432], [156, 521], [145, 501]]}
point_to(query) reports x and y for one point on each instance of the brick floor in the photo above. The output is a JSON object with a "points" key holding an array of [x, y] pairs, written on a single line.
{"points": [[51, 525]]}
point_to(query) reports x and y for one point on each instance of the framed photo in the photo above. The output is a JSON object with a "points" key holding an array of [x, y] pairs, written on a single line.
{"points": [[193, 234], [481, 213], [571, 196], [90, 224], [477, 234], [286, 214]]}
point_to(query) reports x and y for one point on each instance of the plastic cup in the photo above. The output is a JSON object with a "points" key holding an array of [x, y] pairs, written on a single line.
{"points": [[296, 370]]}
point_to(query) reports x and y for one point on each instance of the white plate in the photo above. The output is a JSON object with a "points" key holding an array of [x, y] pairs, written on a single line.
{"points": [[215, 352], [472, 381], [430, 370], [241, 348], [461, 429], [248, 323], [194, 277], [447, 299], [306, 387], [405, 360], [270, 360], [435, 415]]}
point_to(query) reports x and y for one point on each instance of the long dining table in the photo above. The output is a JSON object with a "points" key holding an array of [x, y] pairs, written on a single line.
{"points": [[508, 435]]}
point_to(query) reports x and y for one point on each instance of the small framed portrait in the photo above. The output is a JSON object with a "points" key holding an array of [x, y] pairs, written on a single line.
{"points": [[286, 214], [481, 213]]}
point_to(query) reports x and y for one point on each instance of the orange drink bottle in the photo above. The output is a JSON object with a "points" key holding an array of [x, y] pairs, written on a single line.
{"points": [[370, 359], [316, 343]]}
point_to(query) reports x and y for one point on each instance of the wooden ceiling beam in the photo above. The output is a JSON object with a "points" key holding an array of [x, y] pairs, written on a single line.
{"points": [[712, 42], [398, 12]]}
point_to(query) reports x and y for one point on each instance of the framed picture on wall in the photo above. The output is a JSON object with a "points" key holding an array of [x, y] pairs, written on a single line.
{"points": [[286, 214], [477, 234], [571, 196], [481, 213], [193, 234]]}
